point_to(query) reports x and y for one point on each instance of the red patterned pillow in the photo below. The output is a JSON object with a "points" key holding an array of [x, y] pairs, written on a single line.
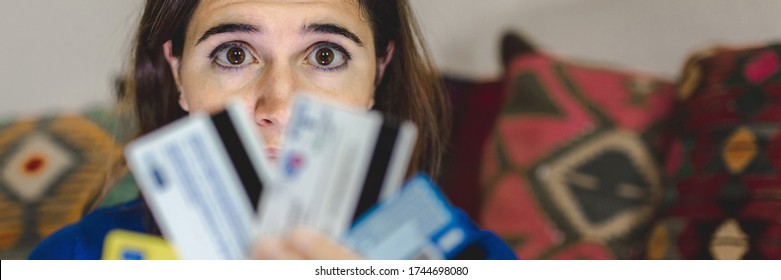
{"points": [[725, 160], [571, 170]]}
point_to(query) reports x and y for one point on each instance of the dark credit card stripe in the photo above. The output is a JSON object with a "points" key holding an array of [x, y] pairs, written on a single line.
{"points": [[238, 155], [378, 167]]}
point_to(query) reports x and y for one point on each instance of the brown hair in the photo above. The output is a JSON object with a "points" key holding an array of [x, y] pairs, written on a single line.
{"points": [[410, 88]]}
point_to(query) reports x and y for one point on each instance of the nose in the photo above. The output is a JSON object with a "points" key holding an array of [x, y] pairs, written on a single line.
{"points": [[273, 101]]}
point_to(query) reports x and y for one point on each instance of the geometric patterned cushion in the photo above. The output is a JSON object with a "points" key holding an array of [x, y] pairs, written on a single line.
{"points": [[50, 169], [725, 160], [571, 168]]}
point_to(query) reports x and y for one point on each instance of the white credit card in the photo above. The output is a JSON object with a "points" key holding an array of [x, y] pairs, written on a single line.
{"points": [[201, 177], [335, 164]]}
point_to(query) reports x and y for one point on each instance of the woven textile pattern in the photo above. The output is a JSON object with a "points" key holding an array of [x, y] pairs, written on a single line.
{"points": [[725, 160], [50, 169], [571, 169]]}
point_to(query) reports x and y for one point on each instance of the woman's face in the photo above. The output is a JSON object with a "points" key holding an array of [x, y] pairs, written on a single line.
{"points": [[263, 52]]}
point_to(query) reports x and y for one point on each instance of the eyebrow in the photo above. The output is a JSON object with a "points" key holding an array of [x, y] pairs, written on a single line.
{"points": [[322, 28], [329, 28], [228, 28]]}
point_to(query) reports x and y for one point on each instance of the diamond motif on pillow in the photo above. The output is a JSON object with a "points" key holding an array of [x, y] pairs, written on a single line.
{"points": [[34, 166], [739, 150], [50, 170], [729, 242], [628, 188]]}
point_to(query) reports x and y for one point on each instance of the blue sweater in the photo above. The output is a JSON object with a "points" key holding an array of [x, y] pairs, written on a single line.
{"points": [[84, 239]]}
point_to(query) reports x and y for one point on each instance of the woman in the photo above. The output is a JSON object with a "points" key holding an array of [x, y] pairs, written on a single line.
{"points": [[195, 55]]}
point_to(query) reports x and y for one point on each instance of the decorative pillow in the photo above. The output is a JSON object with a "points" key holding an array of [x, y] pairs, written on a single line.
{"points": [[725, 160], [571, 168], [50, 169]]}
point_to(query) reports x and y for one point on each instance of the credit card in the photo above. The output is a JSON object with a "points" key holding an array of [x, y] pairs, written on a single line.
{"points": [[128, 245], [416, 223], [202, 177], [336, 163]]}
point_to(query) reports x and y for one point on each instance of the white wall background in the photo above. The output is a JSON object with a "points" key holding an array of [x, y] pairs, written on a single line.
{"points": [[650, 35], [63, 54]]}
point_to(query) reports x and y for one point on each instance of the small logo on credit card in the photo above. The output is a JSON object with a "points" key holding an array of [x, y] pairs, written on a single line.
{"points": [[158, 176], [293, 163], [131, 254]]}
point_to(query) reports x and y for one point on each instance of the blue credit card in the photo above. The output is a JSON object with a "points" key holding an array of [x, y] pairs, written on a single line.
{"points": [[415, 223]]}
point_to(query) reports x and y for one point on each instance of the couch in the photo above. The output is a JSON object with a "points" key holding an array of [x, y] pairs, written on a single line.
{"points": [[572, 160]]}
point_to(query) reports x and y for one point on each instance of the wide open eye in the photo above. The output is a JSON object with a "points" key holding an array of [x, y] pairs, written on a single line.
{"points": [[328, 56], [233, 55]]}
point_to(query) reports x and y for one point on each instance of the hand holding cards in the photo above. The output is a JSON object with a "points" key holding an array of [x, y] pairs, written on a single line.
{"points": [[212, 190]]}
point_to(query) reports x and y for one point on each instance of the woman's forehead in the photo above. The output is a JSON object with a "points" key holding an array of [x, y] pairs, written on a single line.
{"points": [[278, 15]]}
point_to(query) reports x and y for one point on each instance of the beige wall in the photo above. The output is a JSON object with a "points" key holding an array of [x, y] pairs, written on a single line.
{"points": [[650, 35], [63, 54]]}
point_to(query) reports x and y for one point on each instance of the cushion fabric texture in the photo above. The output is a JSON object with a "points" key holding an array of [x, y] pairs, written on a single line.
{"points": [[571, 168], [725, 159]]}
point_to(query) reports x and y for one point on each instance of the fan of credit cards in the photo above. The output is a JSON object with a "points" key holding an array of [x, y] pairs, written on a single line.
{"points": [[213, 191]]}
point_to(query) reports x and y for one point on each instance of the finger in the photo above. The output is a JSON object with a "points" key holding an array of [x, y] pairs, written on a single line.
{"points": [[314, 245], [274, 249]]}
